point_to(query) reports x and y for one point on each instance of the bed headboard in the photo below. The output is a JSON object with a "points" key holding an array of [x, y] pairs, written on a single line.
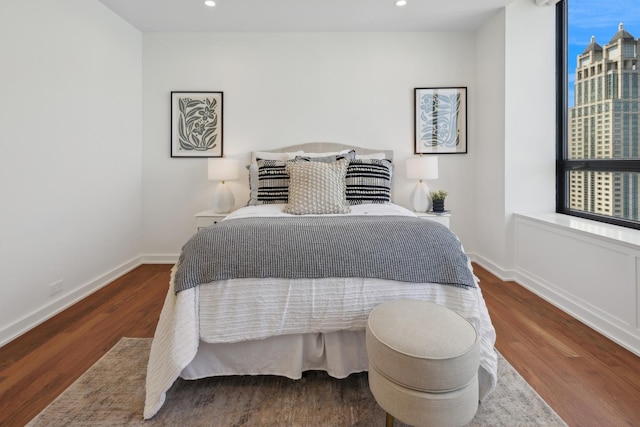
{"points": [[321, 147]]}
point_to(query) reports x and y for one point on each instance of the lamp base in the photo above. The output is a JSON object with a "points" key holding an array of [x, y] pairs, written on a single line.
{"points": [[223, 200], [420, 198]]}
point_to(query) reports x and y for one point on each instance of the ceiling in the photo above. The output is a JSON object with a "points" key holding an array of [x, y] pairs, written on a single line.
{"points": [[305, 15]]}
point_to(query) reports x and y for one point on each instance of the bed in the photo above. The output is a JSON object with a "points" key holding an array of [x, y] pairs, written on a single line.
{"points": [[275, 303]]}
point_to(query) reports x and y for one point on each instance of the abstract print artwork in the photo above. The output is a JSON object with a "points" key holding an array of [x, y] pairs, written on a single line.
{"points": [[441, 120], [196, 124]]}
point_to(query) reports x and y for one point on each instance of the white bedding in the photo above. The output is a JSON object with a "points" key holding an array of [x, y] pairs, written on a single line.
{"points": [[243, 310], [377, 209]]}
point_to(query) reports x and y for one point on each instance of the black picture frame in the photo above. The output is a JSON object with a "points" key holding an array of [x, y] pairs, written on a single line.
{"points": [[440, 121]]}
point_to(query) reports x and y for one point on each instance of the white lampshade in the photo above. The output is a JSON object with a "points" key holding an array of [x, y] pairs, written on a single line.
{"points": [[421, 168], [223, 170], [425, 167]]}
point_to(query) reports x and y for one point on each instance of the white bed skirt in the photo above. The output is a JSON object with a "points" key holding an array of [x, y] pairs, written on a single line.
{"points": [[338, 353]]}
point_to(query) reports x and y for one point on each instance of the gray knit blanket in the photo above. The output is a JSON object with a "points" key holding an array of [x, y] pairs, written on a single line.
{"points": [[397, 248]]}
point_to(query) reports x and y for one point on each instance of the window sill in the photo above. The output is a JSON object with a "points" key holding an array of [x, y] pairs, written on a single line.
{"points": [[607, 232]]}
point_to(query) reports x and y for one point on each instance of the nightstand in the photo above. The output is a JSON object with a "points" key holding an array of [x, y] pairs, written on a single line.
{"points": [[443, 218], [207, 218]]}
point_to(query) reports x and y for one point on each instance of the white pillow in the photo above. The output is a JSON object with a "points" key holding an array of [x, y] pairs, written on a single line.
{"points": [[329, 153], [377, 156], [317, 188], [266, 155]]}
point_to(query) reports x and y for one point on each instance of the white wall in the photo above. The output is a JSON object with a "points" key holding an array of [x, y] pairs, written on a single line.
{"points": [[290, 88], [515, 171], [530, 113], [489, 183], [70, 168]]}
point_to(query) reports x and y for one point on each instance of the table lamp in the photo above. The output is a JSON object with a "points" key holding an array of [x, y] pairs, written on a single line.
{"points": [[422, 168], [221, 169]]}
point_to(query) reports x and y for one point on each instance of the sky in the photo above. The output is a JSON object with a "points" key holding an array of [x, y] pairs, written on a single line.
{"points": [[599, 18]]}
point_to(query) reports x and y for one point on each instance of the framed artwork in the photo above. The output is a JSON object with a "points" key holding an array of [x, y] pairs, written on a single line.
{"points": [[440, 120], [196, 124]]}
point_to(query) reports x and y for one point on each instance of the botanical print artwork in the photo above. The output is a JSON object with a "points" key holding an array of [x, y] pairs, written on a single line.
{"points": [[440, 120], [196, 124]]}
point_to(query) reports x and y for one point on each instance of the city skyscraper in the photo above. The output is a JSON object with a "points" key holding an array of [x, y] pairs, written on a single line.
{"points": [[604, 124]]}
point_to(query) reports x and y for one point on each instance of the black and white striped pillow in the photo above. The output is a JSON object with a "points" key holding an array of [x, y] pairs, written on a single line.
{"points": [[369, 181], [272, 183]]}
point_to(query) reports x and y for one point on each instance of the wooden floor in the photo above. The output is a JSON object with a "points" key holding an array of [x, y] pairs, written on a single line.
{"points": [[586, 378]]}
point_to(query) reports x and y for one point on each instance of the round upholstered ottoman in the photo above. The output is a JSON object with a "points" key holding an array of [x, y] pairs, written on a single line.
{"points": [[423, 363]]}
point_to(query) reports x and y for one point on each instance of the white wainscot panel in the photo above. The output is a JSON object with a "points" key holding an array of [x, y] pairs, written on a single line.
{"points": [[591, 278]]}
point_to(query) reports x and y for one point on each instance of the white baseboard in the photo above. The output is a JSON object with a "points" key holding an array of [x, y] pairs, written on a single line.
{"points": [[501, 273], [579, 310], [160, 258], [570, 305], [30, 321]]}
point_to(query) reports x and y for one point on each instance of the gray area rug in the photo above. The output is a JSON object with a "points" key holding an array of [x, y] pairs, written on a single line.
{"points": [[111, 393]]}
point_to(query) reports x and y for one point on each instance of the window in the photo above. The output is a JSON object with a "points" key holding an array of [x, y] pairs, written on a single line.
{"points": [[598, 164]]}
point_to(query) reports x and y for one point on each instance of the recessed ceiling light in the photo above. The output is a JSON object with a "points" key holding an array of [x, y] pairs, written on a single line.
{"points": [[210, 3], [401, 3]]}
